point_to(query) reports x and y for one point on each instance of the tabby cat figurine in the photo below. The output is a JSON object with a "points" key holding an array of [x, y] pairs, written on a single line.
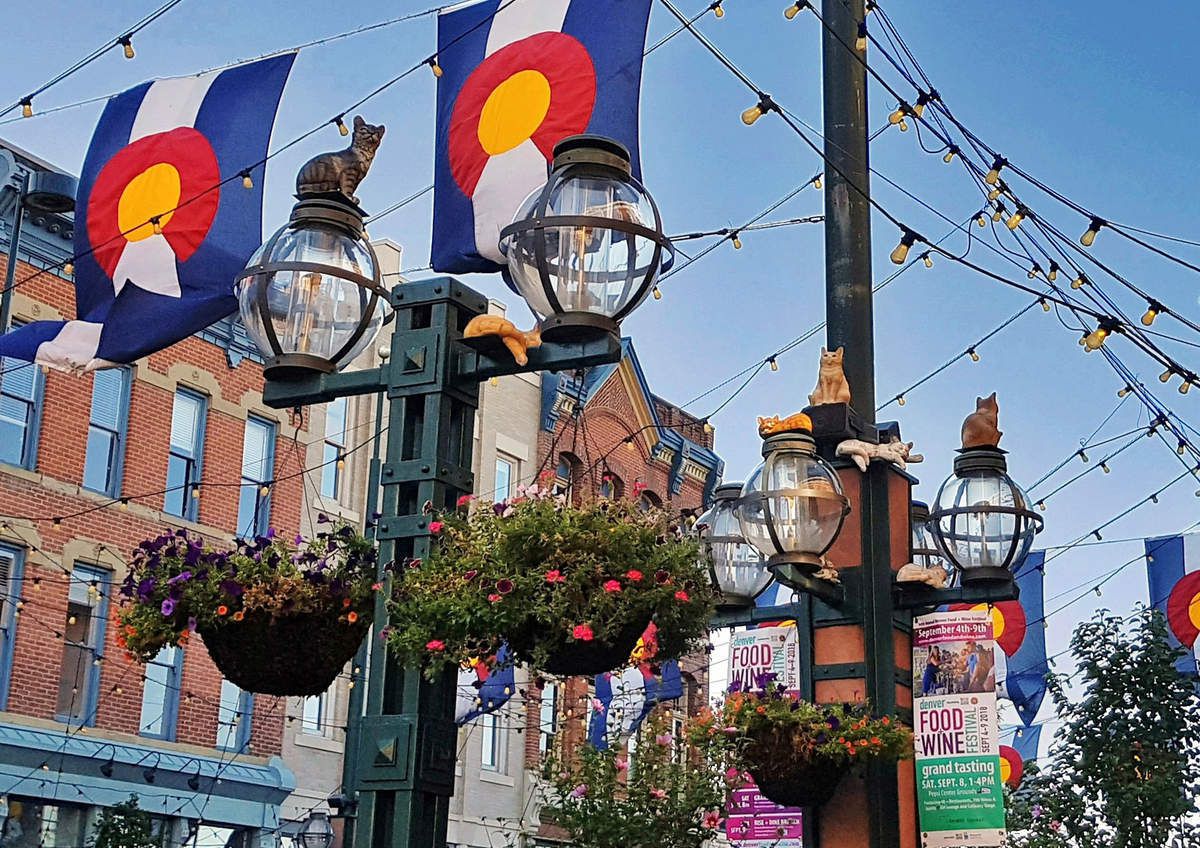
{"points": [[342, 170]]}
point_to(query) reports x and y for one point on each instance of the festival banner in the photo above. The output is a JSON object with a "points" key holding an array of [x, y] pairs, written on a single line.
{"points": [[752, 820], [960, 798]]}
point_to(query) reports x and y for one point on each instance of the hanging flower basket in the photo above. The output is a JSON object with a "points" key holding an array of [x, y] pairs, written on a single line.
{"points": [[787, 781], [276, 618], [798, 752], [259, 653], [570, 588]]}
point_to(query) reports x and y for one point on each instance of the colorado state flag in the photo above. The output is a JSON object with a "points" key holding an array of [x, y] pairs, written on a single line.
{"points": [[484, 687], [1173, 566], [518, 77], [159, 240]]}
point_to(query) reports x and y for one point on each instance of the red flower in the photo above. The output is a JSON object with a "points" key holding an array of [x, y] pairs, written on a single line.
{"points": [[555, 576], [435, 526], [662, 577], [583, 632], [639, 487], [352, 616], [493, 598], [463, 500], [612, 586], [633, 574], [375, 587], [682, 596], [435, 645], [504, 586], [470, 575]]}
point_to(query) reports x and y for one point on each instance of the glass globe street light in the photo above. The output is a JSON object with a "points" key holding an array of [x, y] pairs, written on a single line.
{"points": [[981, 521], [311, 297], [316, 832], [924, 550], [739, 572], [587, 247], [792, 506]]}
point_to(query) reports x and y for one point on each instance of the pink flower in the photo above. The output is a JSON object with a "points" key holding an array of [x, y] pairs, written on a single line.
{"points": [[494, 598], [470, 575], [597, 705], [435, 526], [555, 576], [639, 487], [633, 575], [612, 586], [663, 739], [375, 587], [416, 563], [504, 586], [435, 645], [732, 775], [622, 765], [463, 500], [711, 820], [580, 791], [583, 632], [658, 794], [682, 596]]}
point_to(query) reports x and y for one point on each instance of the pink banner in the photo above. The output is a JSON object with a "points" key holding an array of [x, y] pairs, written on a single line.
{"points": [[754, 818]]}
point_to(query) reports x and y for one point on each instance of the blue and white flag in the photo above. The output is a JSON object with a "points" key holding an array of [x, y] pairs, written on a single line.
{"points": [[1173, 568], [1024, 680], [517, 78], [159, 235], [624, 699], [484, 687], [1024, 740]]}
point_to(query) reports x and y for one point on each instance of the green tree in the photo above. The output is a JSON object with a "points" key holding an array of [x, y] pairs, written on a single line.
{"points": [[1124, 771], [125, 826]]}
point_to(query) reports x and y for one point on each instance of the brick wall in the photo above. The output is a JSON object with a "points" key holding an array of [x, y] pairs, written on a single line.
{"points": [[30, 502]]}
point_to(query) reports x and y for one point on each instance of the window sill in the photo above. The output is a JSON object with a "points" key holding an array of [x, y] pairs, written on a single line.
{"points": [[319, 743], [496, 777]]}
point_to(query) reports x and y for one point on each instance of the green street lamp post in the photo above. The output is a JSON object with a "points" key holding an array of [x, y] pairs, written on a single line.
{"points": [[311, 299]]}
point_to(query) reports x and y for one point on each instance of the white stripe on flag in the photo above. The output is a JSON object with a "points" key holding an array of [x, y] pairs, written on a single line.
{"points": [[171, 103], [509, 177], [73, 349]]}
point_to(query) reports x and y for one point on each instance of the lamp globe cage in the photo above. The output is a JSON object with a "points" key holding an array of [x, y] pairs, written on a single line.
{"points": [[924, 551], [311, 297], [792, 506], [981, 520], [316, 831], [739, 572], [586, 248]]}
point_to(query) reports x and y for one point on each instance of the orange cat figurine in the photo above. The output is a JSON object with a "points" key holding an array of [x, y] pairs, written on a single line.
{"points": [[831, 381], [774, 424], [979, 429]]}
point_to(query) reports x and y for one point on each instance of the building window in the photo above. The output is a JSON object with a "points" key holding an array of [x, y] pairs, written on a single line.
{"points": [[492, 743], [30, 821], [611, 487], [106, 431], [258, 464], [648, 500], [316, 718], [83, 638], [20, 410], [504, 478], [12, 562], [234, 718], [564, 473], [548, 717], [160, 694], [187, 449], [335, 448]]}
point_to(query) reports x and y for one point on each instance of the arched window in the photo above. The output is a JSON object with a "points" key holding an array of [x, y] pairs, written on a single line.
{"points": [[647, 500], [565, 473], [611, 486]]}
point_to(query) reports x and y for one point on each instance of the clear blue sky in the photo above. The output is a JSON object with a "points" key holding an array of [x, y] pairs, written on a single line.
{"points": [[1096, 99]]}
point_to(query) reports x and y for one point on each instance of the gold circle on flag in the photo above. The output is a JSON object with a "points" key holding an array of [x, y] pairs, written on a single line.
{"points": [[153, 192], [1194, 611], [997, 620], [513, 111], [1005, 770]]}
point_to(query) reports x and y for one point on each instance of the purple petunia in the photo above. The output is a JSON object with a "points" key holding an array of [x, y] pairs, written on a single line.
{"points": [[168, 606], [231, 588], [146, 588], [499, 507], [181, 577], [192, 623]]}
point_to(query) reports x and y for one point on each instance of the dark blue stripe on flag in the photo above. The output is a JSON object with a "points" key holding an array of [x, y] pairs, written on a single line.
{"points": [[1025, 678], [1165, 566]]}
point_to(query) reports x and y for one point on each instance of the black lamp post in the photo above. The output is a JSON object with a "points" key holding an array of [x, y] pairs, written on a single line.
{"points": [[47, 192], [399, 768], [739, 572], [586, 248]]}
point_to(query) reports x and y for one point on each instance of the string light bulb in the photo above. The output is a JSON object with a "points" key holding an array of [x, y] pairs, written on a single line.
{"points": [[69, 269], [247, 181], [907, 239], [157, 225], [993, 176], [657, 293], [1034, 271], [432, 62], [1093, 230], [708, 428], [493, 381], [796, 8], [737, 242], [901, 112], [1083, 455], [860, 43], [1104, 467], [717, 9], [341, 463], [1124, 390], [774, 365], [1165, 377], [1096, 589], [1182, 449], [817, 182], [127, 43], [764, 105], [974, 354], [900, 400], [1045, 304], [1080, 281], [1017, 217], [994, 194], [1052, 275], [927, 259], [951, 152], [264, 489], [195, 492], [919, 108], [26, 108], [981, 220], [1185, 386], [341, 125], [998, 215], [1041, 505], [1152, 312], [1095, 339]]}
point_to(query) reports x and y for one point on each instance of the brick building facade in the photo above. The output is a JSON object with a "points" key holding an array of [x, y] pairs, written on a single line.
{"points": [[89, 466]]}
